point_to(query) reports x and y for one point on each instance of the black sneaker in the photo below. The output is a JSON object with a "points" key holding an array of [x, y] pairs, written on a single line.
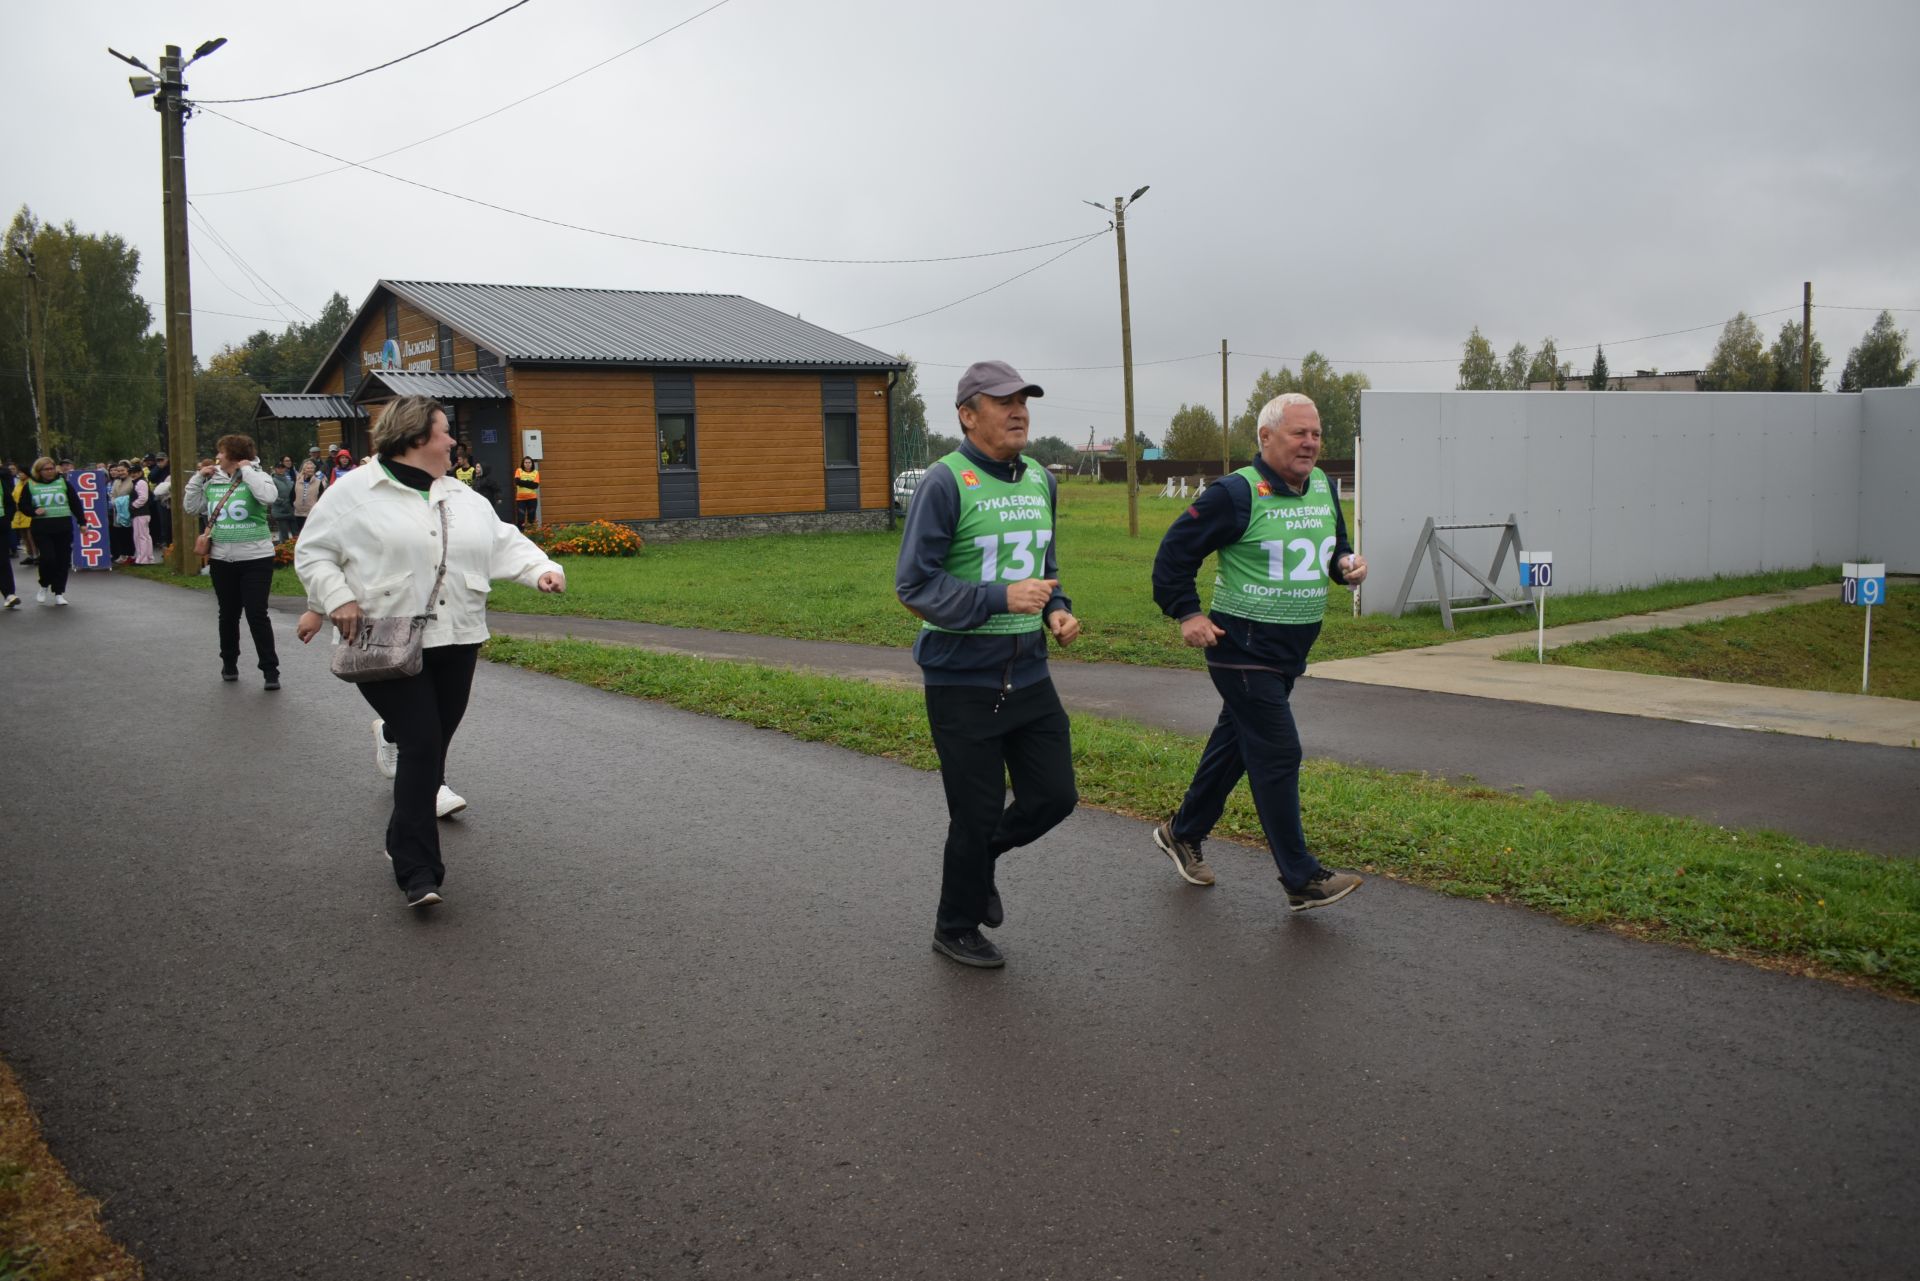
{"points": [[1323, 890], [273, 680], [995, 915], [969, 947], [1186, 856], [229, 673], [424, 896]]}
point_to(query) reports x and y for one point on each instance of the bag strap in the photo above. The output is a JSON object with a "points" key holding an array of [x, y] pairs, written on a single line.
{"points": [[440, 575], [233, 483]]}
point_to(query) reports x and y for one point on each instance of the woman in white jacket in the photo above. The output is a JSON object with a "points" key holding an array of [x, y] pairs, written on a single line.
{"points": [[370, 549]]}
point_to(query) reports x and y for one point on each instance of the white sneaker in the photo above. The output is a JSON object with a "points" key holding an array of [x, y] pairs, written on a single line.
{"points": [[12, 602], [59, 599], [386, 756], [40, 597], [448, 802]]}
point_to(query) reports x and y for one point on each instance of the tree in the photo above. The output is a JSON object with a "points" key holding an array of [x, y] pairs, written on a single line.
{"points": [[1194, 434], [1785, 357], [1141, 444], [1514, 373], [1050, 451], [1880, 360], [1479, 367], [1337, 396], [105, 383], [939, 446], [1597, 376], [1740, 361], [1547, 367], [909, 412]]}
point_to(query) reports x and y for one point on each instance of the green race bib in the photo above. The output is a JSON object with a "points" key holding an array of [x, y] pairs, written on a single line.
{"points": [[50, 496], [243, 519], [1277, 572], [1001, 536]]}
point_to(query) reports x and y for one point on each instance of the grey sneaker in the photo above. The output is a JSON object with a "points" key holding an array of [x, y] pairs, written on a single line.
{"points": [[1186, 856], [969, 947], [1323, 890]]}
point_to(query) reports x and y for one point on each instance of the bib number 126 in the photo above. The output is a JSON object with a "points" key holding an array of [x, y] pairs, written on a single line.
{"points": [[1026, 549], [1311, 563]]}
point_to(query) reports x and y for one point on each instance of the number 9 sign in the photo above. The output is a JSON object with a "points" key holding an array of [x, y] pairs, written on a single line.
{"points": [[1863, 584]]}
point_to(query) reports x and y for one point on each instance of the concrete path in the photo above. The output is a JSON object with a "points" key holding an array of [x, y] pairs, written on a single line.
{"points": [[678, 1018], [1857, 795], [1471, 667]]}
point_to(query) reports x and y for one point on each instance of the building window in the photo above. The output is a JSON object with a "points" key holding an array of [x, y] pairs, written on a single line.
{"points": [[843, 440], [676, 440], [446, 347]]}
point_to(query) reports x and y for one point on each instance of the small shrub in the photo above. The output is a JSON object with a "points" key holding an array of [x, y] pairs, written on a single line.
{"points": [[283, 552]]}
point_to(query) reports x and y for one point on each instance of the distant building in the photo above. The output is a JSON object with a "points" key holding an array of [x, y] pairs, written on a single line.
{"points": [[1640, 380], [684, 415]]}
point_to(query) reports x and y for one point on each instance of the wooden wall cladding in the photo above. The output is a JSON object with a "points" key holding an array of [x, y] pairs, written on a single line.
{"points": [[761, 442], [598, 429]]}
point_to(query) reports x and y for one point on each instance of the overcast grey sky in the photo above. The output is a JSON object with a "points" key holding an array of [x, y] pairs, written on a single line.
{"points": [[1370, 181]]}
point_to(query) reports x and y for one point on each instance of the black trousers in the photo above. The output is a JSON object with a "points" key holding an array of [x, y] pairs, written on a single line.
{"points": [[245, 585], [983, 737], [421, 713], [6, 576], [54, 539]]}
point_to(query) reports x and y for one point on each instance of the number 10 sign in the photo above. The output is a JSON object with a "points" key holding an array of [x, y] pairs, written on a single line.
{"points": [[1536, 572], [1864, 585]]}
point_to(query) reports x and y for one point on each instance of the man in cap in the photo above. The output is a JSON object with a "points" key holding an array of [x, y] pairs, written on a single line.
{"points": [[1281, 538], [977, 568]]}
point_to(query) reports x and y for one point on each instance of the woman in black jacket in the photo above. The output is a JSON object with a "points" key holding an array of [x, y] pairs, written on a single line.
{"points": [[53, 505]]}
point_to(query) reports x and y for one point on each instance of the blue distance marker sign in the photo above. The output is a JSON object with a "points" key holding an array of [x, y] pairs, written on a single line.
{"points": [[1536, 574], [1864, 584]]}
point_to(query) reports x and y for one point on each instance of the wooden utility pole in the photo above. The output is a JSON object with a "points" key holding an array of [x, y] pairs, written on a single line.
{"points": [[182, 444], [37, 353], [1806, 336], [1226, 428], [1126, 364]]}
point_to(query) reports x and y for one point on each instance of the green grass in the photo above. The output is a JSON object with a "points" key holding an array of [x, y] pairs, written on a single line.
{"points": [[1758, 895], [1816, 646], [840, 587]]}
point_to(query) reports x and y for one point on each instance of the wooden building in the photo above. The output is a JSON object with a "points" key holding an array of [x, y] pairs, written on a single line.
{"points": [[683, 415]]}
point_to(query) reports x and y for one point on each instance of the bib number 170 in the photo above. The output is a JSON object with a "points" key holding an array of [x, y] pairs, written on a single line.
{"points": [[1026, 550], [1311, 563]]}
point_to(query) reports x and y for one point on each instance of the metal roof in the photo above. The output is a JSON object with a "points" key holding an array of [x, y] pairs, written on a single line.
{"points": [[437, 383], [522, 323], [317, 408]]}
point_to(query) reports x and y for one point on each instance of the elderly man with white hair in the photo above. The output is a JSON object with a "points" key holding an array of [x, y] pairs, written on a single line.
{"points": [[1281, 539]]}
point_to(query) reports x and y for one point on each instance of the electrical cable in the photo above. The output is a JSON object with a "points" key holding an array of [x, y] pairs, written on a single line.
{"points": [[225, 246], [642, 240], [1084, 240], [435, 137], [392, 62]]}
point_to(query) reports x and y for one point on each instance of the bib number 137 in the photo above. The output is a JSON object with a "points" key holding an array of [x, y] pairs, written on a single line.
{"points": [[1026, 550], [1310, 559]]}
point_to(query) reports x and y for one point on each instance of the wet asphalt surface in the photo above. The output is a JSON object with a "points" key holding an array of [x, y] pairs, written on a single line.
{"points": [[1854, 795], [679, 1018]]}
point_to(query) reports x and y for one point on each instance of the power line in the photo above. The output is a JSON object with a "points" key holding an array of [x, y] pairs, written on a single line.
{"points": [[392, 62], [1084, 240], [225, 246], [324, 173], [643, 240]]}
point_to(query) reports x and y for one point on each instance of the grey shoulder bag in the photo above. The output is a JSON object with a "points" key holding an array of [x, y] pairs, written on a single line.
{"points": [[388, 649]]}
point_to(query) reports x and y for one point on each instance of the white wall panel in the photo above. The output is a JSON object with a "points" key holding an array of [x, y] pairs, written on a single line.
{"points": [[1890, 479], [1631, 488]]}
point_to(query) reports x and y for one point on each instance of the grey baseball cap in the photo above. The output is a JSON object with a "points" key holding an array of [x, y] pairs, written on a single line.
{"points": [[995, 378]]}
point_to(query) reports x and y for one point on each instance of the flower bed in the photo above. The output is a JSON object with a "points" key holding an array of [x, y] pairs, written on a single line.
{"points": [[594, 538]]}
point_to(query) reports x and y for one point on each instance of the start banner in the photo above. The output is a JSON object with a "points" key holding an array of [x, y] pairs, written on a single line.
{"points": [[91, 549]]}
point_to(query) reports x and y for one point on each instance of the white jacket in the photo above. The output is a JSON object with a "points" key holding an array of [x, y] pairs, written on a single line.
{"points": [[371, 539]]}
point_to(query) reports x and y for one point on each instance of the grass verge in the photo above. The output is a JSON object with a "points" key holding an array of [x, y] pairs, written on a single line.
{"points": [[1759, 896], [1815, 647], [840, 587], [49, 1230]]}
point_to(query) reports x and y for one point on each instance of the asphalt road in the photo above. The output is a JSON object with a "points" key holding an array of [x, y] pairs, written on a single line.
{"points": [[1853, 795], [679, 1018]]}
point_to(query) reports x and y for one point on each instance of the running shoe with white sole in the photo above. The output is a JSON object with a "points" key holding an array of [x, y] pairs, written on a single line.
{"points": [[448, 802], [59, 598], [1186, 856], [1323, 890], [386, 756], [425, 896]]}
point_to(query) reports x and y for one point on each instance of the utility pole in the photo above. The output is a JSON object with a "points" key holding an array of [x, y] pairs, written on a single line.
{"points": [[1226, 428], [37, 353], [1806, 336], [1120, 206], [169, 99]]}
